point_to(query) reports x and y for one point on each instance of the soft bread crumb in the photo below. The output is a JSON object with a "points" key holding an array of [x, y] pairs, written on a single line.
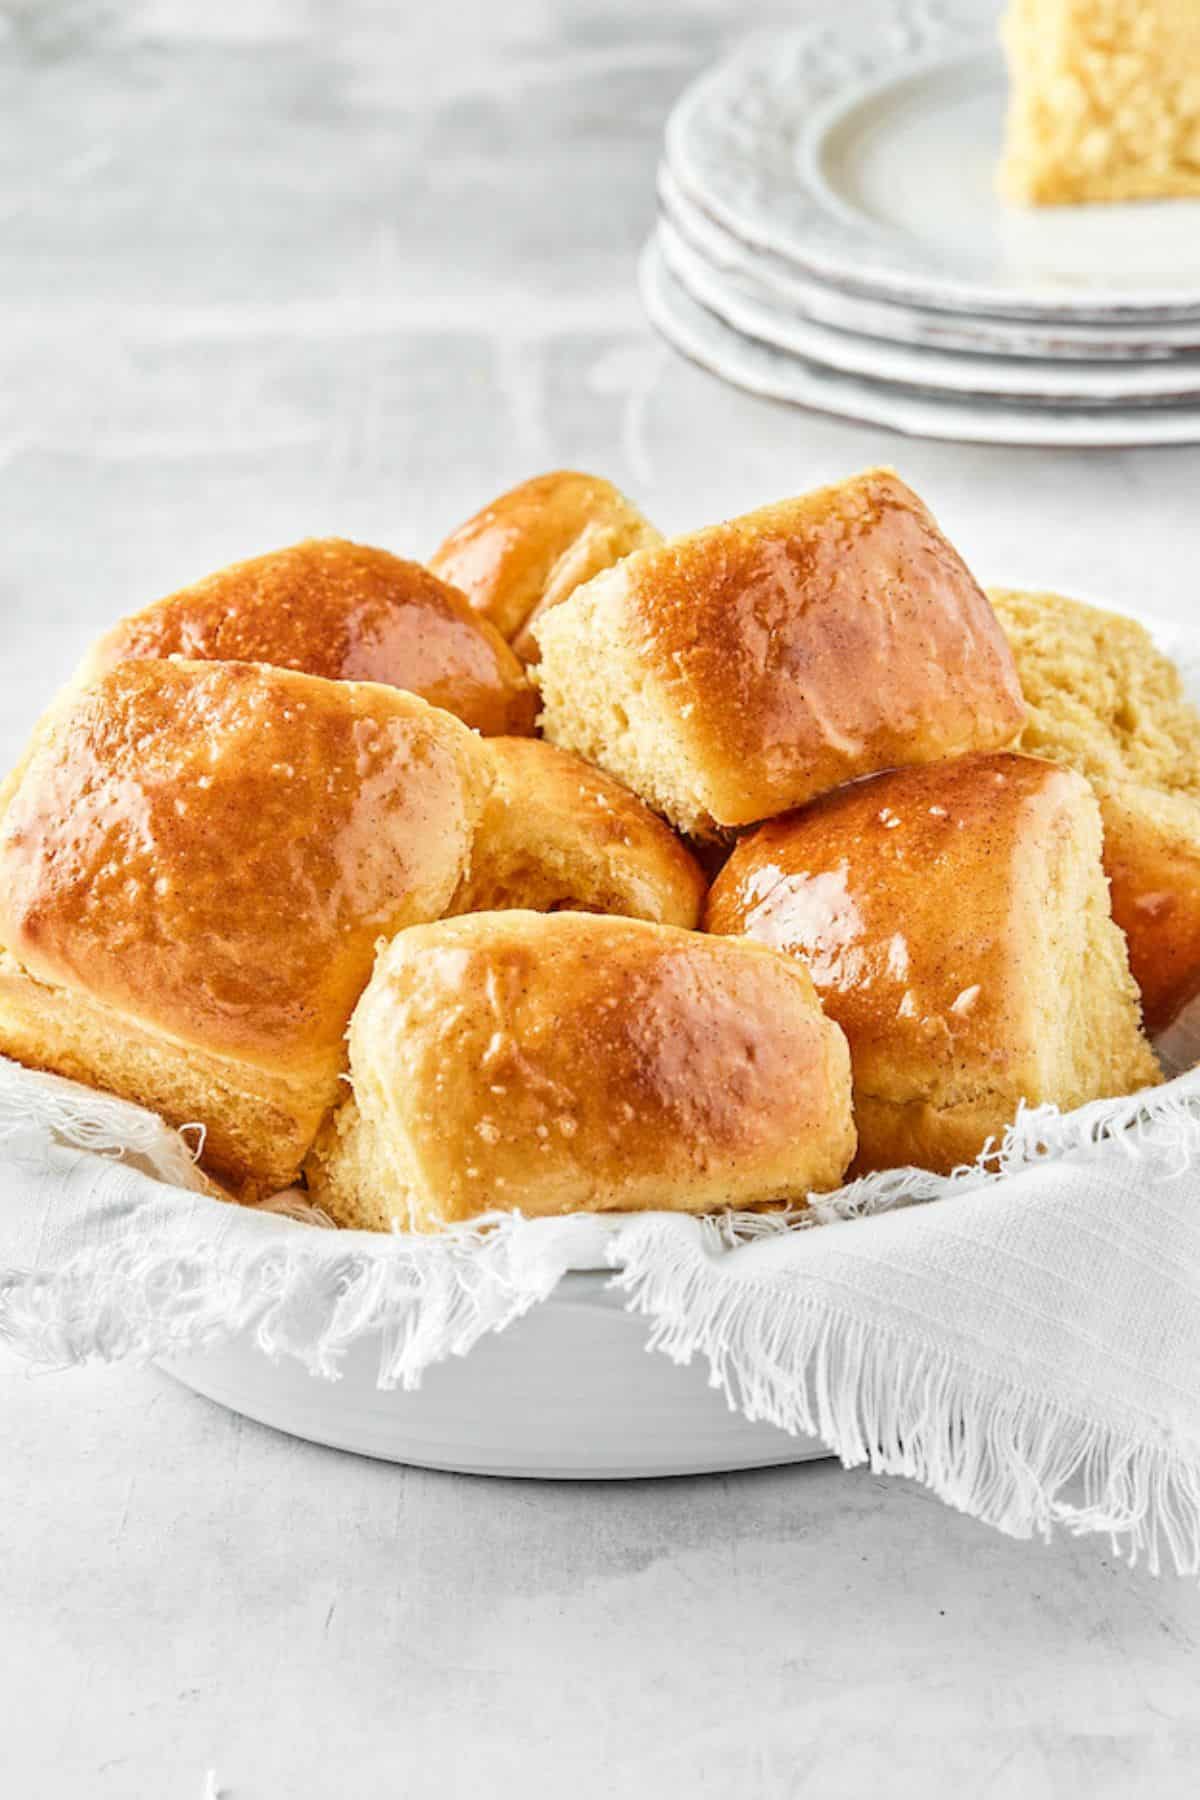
{"points": [[557, 833], [257, 1123], [1102, 699], [1105, 100], [600, 544], [352, 1178], [1100, 695], [598, 702]]}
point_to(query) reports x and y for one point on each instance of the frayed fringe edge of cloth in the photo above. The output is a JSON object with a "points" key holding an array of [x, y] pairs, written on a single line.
{"points": [[427, 1299], [1016, 1460]]}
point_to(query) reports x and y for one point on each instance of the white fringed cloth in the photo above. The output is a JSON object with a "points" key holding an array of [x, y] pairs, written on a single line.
{"points": [[1022, 1337]]}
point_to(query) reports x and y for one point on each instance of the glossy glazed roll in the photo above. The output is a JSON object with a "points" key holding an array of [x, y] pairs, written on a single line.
{"points": [[556, 833], [196, 863], [1152, 859], [1104, 700], [569, 1063], [731, 674], [955, 920], [344, 611], [533, 546]]}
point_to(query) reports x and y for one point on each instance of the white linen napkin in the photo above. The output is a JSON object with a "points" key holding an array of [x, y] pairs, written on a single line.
{"points": [[1022, 1337]]}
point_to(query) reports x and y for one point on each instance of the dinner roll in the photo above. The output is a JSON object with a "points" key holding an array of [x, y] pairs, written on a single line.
{"points": [[1152, 859], [196, 861], [956, 923], [556, 833], [568, 1063], [344, 611], [728, 675], [1103, 699], [531, 548]]}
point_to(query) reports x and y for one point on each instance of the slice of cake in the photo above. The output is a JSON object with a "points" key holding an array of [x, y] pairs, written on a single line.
{"points": [[1105, 100]]}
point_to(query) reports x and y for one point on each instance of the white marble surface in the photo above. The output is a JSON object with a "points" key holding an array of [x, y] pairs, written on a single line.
{"points": [[274, 268]]}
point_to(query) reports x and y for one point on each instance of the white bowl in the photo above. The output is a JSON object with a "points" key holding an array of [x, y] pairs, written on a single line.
{"points": [[569, 1391]]}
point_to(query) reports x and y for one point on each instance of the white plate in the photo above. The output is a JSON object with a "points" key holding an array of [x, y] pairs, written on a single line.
{"points": [[569, 1391], [777, 375], [870, 163], [1141, 341], [743, 306]]}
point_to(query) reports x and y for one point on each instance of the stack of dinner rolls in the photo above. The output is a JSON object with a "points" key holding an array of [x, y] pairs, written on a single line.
{"points": [[822, 862]]}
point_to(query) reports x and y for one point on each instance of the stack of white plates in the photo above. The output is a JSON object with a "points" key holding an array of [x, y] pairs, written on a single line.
{"points": [[829, 233]]}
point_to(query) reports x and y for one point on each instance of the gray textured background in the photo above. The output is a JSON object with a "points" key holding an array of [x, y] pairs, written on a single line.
{"points": [[269, 270]]}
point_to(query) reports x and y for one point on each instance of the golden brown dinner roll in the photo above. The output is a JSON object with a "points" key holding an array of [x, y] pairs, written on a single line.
{"points": [[728, 675], [955, 920], [1152, 859], [556, 833], [570, 1063], [531, 548], [345, 611], [1104, 700], [196, 862]]}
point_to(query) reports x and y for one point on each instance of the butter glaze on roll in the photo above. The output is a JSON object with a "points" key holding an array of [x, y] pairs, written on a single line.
{"points": [[1104, 699], [533, 546], [570, 1063], [956, 924], [344, 611], [733, 673], [557, 833], [196, 862]]}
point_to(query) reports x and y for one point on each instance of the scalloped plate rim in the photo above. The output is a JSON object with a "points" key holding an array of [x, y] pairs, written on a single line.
{"points": [[888, 321], [955, 374], [864, 265], [895, 409]]}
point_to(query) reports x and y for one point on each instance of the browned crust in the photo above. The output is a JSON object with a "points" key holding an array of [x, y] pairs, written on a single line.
{"points": [[920, 900], [820, 639], [213, 849], [572, 1063], [343, 611], [1152, 856], [533, 545], [557, 832]]}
